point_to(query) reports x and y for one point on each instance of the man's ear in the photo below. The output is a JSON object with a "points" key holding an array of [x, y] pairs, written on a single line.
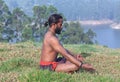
{"points": [[53, 24]]}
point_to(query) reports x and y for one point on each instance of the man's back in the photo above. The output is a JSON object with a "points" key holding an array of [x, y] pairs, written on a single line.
{"points": [[48, 53]]}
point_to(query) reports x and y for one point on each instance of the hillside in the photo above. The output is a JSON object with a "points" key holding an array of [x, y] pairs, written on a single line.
{"points": [[20, 63]]}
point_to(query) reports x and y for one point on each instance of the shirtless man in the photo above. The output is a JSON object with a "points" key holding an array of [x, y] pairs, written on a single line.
{"points": [[52, 47]]}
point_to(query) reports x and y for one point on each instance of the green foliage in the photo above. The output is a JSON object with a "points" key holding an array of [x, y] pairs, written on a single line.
{"points": [[98, 9], [18, 19], [41, 14], [73, 33], [14, 25], [39, 11], [51, 9], [19, 27], [4, 15], [27, 33]]}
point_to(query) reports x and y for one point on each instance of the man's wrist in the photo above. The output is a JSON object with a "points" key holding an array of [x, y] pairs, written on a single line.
{"points": [[81, 64]]}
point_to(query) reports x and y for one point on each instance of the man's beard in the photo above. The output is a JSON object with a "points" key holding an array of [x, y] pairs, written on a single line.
{"points": [[58, 30]]}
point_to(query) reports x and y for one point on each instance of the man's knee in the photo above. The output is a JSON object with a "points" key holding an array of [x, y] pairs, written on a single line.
{"points": [[75, 67]]}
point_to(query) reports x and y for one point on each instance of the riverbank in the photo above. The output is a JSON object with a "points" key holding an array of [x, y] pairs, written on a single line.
{"points": [[95, 22], [115, 25], [112, 24]]}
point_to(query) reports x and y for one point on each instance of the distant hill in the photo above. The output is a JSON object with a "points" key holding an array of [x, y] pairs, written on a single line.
{"points": [[74, 9]]}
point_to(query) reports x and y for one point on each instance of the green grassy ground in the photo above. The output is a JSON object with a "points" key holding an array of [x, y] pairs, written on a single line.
{"points": [[20, 63]]}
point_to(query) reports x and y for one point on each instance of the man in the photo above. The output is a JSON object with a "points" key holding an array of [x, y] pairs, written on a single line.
{"points": [[52, 47]]}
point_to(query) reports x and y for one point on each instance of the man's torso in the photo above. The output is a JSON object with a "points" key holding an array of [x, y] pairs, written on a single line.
{"points": [[48, 53]]}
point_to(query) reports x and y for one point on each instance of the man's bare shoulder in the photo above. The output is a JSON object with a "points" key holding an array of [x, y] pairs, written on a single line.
{"points": [[50, 38]]}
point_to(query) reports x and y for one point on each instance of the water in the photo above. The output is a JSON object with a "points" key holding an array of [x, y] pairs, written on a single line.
{"points": [[106, 35]]}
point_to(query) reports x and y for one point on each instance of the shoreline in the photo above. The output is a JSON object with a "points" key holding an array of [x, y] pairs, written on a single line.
{"points": [[95, 22], [115, 25], [112, 24]]}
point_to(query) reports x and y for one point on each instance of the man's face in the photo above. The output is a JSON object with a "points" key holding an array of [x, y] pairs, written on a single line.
{"points": [[59, 26]]}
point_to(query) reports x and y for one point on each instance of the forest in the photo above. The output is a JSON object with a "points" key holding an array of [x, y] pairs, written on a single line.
{"points": [[16, 26], [74, 9]]}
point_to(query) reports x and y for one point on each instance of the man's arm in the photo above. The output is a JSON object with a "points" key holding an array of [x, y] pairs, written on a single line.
{"points": [[55, 44], [77, 56]]}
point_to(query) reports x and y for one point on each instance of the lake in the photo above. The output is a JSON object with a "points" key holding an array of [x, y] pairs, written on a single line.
{"points": [[106, 35]]}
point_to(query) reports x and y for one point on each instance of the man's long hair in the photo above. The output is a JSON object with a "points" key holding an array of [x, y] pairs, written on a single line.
{"points": [[54, 18]]}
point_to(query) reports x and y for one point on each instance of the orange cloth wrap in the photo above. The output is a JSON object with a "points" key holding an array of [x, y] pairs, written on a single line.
{"points": [[54, 64]]}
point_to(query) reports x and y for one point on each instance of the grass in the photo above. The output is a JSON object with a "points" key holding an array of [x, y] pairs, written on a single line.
{"points": [[20, 63]]}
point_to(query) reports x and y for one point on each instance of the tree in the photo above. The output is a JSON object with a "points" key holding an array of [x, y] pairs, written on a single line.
{"points": [[14, 24], [88, 37], [4, 19], [51, 9], [41, 14], [91, 34], [20, 22], [73, 34], [27, 33]]}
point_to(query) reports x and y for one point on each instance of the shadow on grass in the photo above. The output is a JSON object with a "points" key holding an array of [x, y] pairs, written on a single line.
{"points": [[85, 54], [91, 72], [2, 50]]}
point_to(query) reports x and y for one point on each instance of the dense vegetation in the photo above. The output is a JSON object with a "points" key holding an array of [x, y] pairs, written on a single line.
{"points": [[16, 26], [20, 63], [75, 9]]}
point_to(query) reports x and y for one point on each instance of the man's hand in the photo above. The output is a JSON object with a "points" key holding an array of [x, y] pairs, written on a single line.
{"points": [[79, 57], [88, 67]]}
